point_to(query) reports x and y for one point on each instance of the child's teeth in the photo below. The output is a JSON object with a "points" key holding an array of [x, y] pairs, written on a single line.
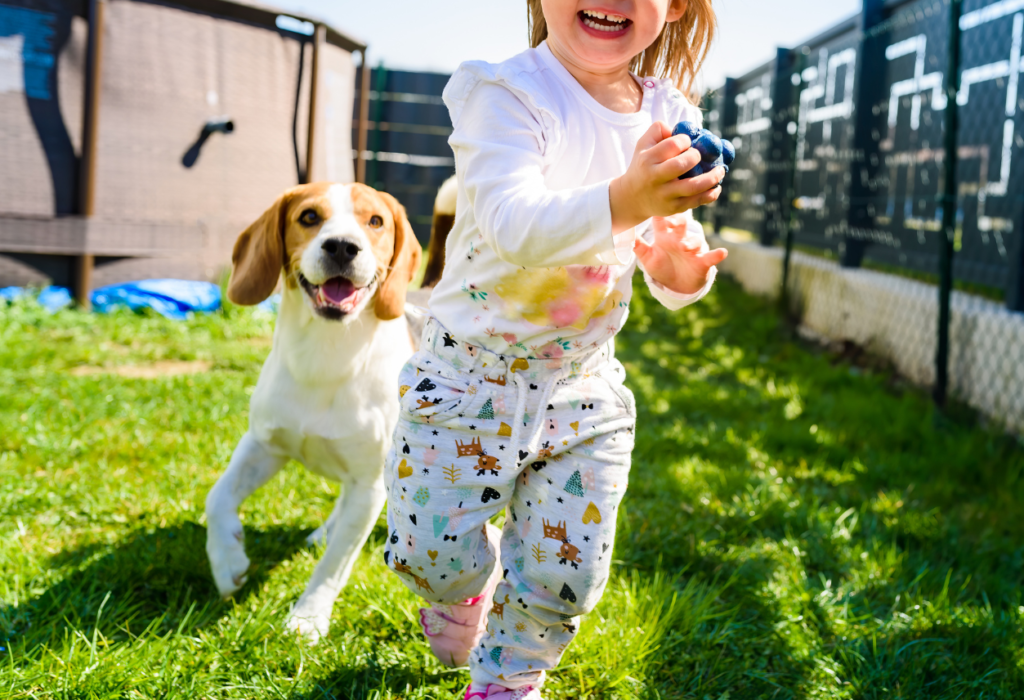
{"points": [[600, 27], [589, 15]]}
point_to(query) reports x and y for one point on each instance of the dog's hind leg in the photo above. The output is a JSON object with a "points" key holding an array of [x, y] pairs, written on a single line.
{"points": [[251, 466], [359, 505]]}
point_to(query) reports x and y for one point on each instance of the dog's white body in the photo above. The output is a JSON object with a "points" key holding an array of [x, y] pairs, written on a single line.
{"points": [[326, 397]]}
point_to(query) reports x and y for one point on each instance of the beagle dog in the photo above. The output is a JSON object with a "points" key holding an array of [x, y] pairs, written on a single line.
{"points": [[328, 393]]}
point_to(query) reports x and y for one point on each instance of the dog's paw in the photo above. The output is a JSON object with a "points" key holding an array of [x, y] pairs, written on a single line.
{"points": [[228, 563], [309, 625]]}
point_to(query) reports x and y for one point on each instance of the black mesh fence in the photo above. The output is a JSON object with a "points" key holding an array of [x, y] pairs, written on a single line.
{"points": [[407, 151], [840, 171]]}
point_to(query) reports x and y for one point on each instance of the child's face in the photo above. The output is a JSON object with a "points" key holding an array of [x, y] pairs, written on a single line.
{"points": [[602, 35]]}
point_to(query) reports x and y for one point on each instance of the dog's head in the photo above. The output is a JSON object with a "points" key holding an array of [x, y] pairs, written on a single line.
{"points": [[340, 244]]}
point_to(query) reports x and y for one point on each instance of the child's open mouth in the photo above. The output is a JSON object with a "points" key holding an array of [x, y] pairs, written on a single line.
{"points": [[604, 23]]}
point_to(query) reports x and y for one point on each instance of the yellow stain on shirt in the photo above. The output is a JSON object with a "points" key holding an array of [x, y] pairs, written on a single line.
{"points": [[562, 297]]}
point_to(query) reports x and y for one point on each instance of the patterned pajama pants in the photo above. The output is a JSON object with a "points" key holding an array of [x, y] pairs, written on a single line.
{"points": [[549, 441]]}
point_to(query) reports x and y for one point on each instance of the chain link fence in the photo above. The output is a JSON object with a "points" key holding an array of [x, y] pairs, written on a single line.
{"points": [[840, 180]]}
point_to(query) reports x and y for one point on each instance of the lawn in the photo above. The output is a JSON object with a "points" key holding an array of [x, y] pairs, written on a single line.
{"points": [[796, 527]]}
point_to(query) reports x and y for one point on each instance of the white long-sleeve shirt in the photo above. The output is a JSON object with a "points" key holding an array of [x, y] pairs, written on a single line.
{"points": [[531, 266]]}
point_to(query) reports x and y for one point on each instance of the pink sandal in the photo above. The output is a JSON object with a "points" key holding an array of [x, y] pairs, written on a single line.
{"points": [[454, 630], [500, 692]]}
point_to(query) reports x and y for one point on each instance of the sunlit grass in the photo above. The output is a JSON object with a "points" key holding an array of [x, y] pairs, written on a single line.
{"points": [[793, 529]]}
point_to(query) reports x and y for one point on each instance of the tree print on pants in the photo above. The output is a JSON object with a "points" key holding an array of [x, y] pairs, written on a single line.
{"points": [[575, 484], [487, 412]]}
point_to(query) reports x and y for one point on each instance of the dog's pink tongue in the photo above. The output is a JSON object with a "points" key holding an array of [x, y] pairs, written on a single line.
{"points": [[338, 289]]}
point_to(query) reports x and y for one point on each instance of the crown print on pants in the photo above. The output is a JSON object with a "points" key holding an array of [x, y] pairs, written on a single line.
{"points": [[470, 449]]}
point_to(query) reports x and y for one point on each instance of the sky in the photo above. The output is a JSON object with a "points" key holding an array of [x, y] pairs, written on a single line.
{"points": [[437, 35]]}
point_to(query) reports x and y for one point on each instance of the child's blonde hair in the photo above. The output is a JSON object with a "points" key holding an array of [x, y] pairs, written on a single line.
{"points": [[677, 53]]}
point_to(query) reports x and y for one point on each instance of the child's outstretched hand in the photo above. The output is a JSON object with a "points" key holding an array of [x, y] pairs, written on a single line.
{"points": [[678, 258]]}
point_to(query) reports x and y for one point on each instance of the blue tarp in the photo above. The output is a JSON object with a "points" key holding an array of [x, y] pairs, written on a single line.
{"points": [[53, 298], [174, 299], [271, 304], [11, 293]]}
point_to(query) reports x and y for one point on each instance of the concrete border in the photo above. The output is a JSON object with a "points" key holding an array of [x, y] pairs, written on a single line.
{"points": [[896, 318]]}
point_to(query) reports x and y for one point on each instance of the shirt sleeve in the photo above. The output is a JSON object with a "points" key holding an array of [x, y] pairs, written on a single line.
{"points": [[673, 301], [499, 153]]}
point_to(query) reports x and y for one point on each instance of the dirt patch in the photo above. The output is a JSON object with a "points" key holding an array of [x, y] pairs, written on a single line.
{"points": [[163, 368]]}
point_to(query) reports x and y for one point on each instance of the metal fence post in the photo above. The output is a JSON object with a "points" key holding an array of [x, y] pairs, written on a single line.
{"points": [[793, 81], [1015, 287], [364, 118], [868, 92], [775, 179], [949, 204], [319, 34], [727, 115], [381, 75], [90, 135]]}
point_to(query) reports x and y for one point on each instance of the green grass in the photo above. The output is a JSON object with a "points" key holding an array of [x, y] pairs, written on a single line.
{"points": [[795, 528]]}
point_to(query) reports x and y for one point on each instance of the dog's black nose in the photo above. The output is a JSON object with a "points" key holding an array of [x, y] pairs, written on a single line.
{"points": [[340, 251]]}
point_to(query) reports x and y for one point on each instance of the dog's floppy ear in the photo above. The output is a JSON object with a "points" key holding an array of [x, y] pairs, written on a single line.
{"points": [[259, 256], [405, 261]]}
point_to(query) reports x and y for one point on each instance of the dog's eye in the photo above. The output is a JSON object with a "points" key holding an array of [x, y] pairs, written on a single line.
{"points": [[309, 218], [376, 221]]}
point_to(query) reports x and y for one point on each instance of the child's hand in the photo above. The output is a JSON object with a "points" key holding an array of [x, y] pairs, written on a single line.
{"points": [[651, 185], [679, 258]]}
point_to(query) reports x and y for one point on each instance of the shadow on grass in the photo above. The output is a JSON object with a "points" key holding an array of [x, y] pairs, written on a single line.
{"points": [[152, 579], [868, 540], [793, 641], [380, 677]]}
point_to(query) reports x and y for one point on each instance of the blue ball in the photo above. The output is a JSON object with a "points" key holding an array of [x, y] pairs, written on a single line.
{"points": [[719, 163], [709, 146], [698, 169], [688, 128], [728, 152]]}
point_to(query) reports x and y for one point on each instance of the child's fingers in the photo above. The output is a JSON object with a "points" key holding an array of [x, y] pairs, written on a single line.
{"points": [[692, 242], [653, 136], [678, 220], [688, 203], [711, 195], [643, 250], [685, 204], [672, 168], [668, 148], [697, 185], [713, 257]]}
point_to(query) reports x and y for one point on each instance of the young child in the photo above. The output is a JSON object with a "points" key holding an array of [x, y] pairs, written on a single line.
{"points": [[515, 400]]}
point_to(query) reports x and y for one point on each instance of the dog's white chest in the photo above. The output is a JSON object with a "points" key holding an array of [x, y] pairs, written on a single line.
{"points": [[320, 455], [330, 404]]}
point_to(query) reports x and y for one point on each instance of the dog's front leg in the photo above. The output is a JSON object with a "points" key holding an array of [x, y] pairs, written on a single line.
{"points": [[360, 505], [251, 466]]}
